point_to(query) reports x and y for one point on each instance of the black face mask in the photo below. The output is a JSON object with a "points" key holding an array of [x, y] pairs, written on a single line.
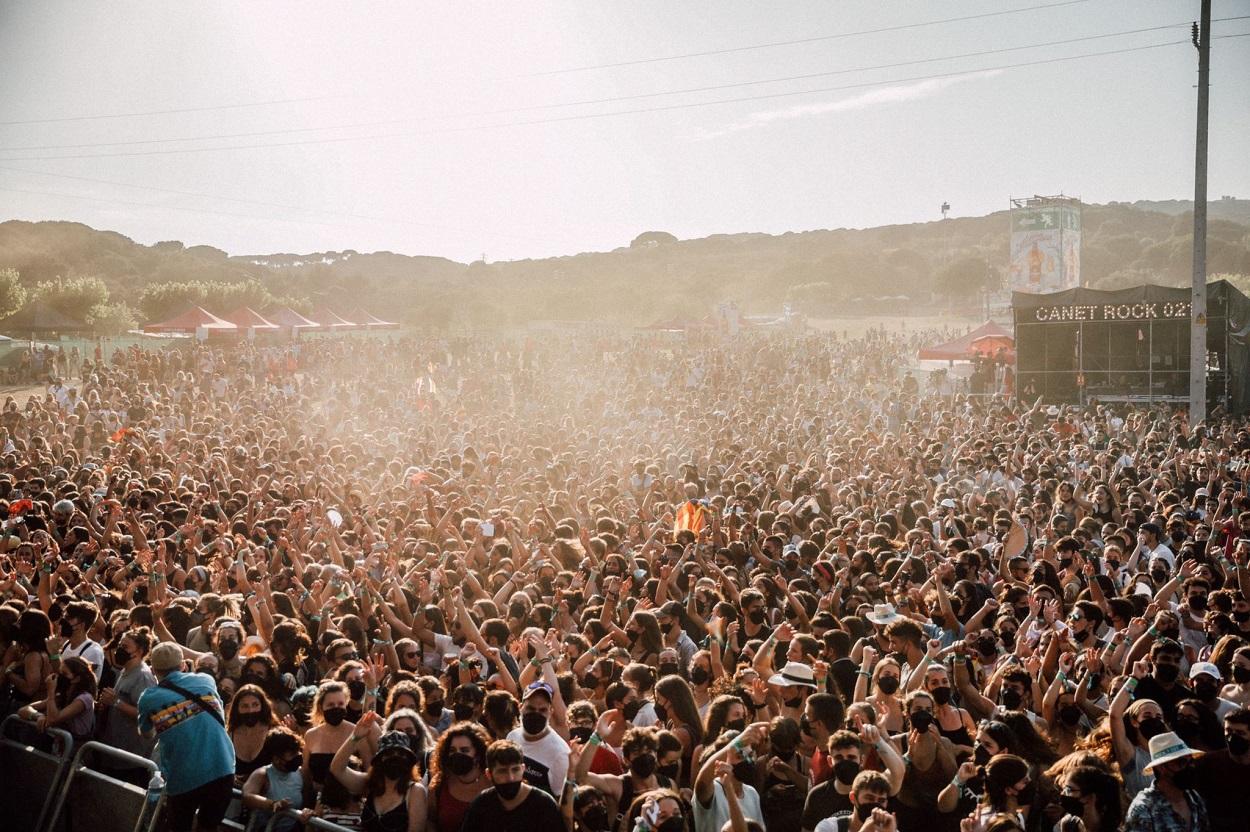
{"points": [[462, 712], [864, 810], [533, 722], [941, 695], [1186, 729], [228, 649], [980, 754], [1167, 673], [921, 721], [253, 679], [1072, 805], [756, 616], [1237, 744], [1011, 699], [642, 766], [1198, 602], [1070, 715], [887, 684], [670, 771], [434, 709], [508, 791], [699, 675], [744, 772], [796, 702], [805, 725], [674, 824], [845, 771], [736, 725], [460, 764], [631, 710], [335, 716], [581, 733], [395, 768], [288, 765], [67, 627], [595, 818], [356, 688], [661, 712], [1152, 727], [248, 720], [1241, 616], [1186, 778], [669, 669], [1241, 674], [1206, 691], [121, 656]]}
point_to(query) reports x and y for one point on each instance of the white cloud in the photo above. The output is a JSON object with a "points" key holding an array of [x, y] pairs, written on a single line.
{"points": [[896, 94]]}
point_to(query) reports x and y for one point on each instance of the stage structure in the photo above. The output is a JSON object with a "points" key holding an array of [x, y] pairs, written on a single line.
{"points": [[1130, 345], [1045, 244]]}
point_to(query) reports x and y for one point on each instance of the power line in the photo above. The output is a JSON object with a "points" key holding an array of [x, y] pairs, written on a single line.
{"points": [[205, 109], [784, 78], [815, 39], [615, 113], [633, 97]]}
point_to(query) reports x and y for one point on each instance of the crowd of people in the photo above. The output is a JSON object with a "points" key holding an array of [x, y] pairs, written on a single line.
{"points": [[627, 584]]}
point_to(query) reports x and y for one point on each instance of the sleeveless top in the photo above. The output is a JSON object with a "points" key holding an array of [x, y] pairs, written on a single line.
{"points": [[331, 792], [958, 736], [451, 812], [283, 785], [1134, 778], [394, 820]]}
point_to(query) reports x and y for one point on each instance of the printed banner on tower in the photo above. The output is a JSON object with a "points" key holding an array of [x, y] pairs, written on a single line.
{"points": [[1045, 248]]}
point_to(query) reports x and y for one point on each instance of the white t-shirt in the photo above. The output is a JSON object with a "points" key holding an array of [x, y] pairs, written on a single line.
{"points": [[546, 759], [89, 652], [712, 817]]}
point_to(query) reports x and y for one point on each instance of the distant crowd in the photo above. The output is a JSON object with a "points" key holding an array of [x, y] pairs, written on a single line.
{"points": [[623, 583]]}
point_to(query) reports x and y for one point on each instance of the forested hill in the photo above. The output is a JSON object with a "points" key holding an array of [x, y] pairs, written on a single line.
{"points": [[842, 270]]}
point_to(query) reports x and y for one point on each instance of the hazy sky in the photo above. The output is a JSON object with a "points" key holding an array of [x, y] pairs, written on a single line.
{"points": [[458, 129]]}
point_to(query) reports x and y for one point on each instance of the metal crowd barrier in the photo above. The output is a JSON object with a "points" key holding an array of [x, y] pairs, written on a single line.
{"points": [[317, 824], [92, 801], [30, 771]]}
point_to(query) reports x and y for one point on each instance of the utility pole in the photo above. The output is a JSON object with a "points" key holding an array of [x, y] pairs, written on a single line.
{"points": [[1198, 299]]}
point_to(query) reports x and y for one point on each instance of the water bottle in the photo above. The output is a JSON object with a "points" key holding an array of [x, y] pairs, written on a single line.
{"points": [[155, 787]]}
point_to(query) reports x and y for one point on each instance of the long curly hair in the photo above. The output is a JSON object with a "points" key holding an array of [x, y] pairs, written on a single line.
{"points": [[475, 733]]}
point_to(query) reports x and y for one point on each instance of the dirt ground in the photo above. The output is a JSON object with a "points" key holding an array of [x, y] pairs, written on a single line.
{"points": [[21, 392]]}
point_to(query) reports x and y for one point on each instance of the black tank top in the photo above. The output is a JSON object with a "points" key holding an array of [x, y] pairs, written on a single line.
{"points": [[331, 792], [394, 820], [957, 736]]}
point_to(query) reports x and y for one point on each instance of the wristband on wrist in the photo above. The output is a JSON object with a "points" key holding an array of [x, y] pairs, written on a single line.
{"points": [[1131, 684], [1061, 676], [956, 782], [594, 740], [315, 618], [372, 692], [593, 651], [56, 657], [1152, 632]]}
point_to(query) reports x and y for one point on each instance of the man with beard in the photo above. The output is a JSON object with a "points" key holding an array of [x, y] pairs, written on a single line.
{"points": [[1223, 775], [849, 754], [1171, 801]]}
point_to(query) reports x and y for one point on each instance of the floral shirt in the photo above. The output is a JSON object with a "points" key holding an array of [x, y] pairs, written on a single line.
{"points": [[1151, 811]]}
